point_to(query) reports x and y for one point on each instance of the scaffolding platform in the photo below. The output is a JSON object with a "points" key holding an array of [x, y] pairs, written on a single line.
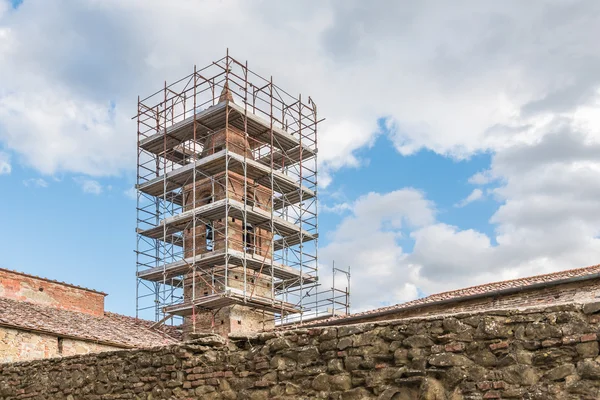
{"points": [[279, 202], [173, 237], [311, 316], [293, 240], [231, 297], [284, 160], [291, 191], [254, 262], [213, 119], [217, 210]]}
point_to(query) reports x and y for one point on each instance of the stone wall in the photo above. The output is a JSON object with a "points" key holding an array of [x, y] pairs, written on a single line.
{"points": [[20, 345], [18, 286], [549, 353]]}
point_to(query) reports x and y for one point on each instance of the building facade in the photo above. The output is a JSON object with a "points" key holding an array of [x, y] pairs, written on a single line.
{"points": [[43, 318]]}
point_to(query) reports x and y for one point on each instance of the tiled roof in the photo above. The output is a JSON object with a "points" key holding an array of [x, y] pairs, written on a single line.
{"points": [[173, 332], [111, 329], [457, 295], [51, 280]]}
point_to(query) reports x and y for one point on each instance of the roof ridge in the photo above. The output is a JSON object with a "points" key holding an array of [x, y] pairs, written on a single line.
{"points": [[52, 280], [525, 278]]}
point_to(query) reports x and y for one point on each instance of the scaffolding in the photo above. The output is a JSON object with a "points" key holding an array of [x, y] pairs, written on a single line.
{"points": [[226, 196], [324, 303]]}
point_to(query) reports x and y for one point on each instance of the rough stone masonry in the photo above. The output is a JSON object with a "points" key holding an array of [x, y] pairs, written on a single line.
{"points": [[549, 353]]}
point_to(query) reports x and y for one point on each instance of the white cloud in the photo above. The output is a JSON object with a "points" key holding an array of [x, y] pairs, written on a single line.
{"points": [[476, 194], [78, 136], [5, 167], [337, 208], [367, 240], [482, 178], [446, 81], [551, 197], [35, 182], [89, 185], [447, 257]]}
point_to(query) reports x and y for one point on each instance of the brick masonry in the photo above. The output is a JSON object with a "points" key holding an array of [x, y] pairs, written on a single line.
{"points": [[220, 186], [32, 289], [544, 353]]}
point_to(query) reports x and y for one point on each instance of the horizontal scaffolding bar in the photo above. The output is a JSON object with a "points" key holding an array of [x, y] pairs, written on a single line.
{"points": [[230, 297]]}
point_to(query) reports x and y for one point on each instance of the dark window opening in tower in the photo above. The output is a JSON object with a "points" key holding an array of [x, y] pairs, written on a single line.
{"points": [[248, 238], [210, 237], [210, 229]]}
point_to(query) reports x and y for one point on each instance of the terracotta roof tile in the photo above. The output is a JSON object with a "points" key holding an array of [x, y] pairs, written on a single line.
{"points": [[173, 332], [476, 290], [115, 329]]}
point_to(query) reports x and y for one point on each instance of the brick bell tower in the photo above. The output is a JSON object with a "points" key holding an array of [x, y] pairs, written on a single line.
{"points": [[227, 194], [222, 236]]}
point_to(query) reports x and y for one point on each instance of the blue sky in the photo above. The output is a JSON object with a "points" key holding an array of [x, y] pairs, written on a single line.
{"points": [[456, 151]]}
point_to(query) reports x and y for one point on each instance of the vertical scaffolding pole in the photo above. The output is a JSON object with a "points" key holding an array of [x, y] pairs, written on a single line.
{"points": [[194, 204]]}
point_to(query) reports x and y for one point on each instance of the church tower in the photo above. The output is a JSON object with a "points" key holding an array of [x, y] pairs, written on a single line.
{"points": [[233, 196], [209, 238]]}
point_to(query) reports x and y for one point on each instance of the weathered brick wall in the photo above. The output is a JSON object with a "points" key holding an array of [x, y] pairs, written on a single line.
{"points": [[23, 287], [234, 319], [546, 353], [20, 345], [576, 292]]}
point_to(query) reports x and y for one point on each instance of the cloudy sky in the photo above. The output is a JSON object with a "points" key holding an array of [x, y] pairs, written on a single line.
{"points": [[461, 146]]}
